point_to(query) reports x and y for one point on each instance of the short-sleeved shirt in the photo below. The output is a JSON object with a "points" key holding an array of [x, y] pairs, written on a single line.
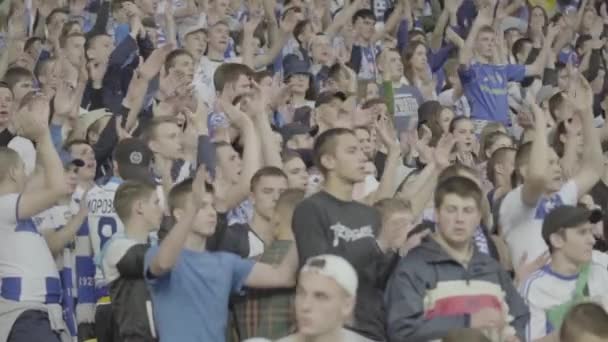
{"points": [[546, 289], [191, 301], [522, 224], [407, 99], [27, 268], [485, 86]]}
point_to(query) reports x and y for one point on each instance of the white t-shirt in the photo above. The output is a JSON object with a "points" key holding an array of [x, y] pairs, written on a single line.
{"points": [[26, 150], [27, 268], [522, 225], [203, 78], [546, 289]]}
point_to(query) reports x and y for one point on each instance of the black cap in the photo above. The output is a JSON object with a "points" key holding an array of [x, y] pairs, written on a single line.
{"points": [[328, 96], [134, 159], [290, 130], [293, 65], [568, 216]]}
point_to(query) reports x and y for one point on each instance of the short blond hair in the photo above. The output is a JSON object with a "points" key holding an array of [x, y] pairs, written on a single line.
{"points": [[129, 192], [389, 206]]}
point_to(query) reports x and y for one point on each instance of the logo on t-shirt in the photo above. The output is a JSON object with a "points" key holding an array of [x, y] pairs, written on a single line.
{"points": [[546, 205], [342, 232]]}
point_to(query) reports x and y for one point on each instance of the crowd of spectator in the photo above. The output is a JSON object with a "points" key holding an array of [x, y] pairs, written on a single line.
{"points": [[303, 170]]}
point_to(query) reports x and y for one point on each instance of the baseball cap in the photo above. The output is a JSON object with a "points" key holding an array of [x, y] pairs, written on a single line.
{"points": [[336, 268], [568, 216], [134, 159], [293, 65], [192, 28], [328, 96], [290, 130]]}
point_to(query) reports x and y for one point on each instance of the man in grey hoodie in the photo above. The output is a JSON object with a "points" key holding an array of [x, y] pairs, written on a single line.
{"points": [[447, 284]]}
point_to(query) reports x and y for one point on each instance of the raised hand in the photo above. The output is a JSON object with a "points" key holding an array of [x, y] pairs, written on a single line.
{"points": [[234, 114], [386, 133], [199, 187], [443, 151], [580, 94], [121, 132], [65, 101], [259, 103], [252, 23], [452, 6], [525, 268], [31, 120], [413, 241], [152, 66], [552, 32]]}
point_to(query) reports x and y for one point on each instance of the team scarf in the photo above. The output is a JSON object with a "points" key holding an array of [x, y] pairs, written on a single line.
{"points": [[84, 269]]}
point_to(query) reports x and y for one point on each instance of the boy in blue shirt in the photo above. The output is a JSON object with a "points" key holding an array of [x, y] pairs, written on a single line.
{"points": [[485, 74], [190, 286]]}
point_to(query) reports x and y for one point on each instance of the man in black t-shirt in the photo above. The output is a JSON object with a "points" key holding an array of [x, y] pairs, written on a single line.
{"points": [[330, 222]]}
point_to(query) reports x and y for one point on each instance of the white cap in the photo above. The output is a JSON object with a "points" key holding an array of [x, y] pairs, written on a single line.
{"points": [[336, 268], [187, 29]]}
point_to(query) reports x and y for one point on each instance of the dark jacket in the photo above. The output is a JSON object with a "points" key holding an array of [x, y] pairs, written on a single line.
{"points": [[411, 318]]}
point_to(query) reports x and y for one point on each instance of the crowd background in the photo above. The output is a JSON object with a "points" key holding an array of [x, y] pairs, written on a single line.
{"points": [[303, 170]]}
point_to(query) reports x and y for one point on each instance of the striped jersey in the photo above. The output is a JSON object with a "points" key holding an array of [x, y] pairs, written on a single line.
{"points": [[27, 268], [103, 220], [55, 219], [546, 289]]}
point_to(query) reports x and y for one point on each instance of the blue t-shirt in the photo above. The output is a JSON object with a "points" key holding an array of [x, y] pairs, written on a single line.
{"points": [[485, 86], [191, 301]]}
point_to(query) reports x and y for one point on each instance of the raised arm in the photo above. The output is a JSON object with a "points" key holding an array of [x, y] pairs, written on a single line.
{"points": [[276, 45], [537, 68], [538, 163], [442, 22], [484, 17], [343, 17], [569, 160], [31, 122], [392, 21], [57, 239], [592, 165], [172, 244], [420, 192], [252, 156], [271, 151], [269, 276], [386, 188]]}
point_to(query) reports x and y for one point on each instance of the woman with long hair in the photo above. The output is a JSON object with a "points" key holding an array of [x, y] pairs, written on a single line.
{"points": [[417, 70]]}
